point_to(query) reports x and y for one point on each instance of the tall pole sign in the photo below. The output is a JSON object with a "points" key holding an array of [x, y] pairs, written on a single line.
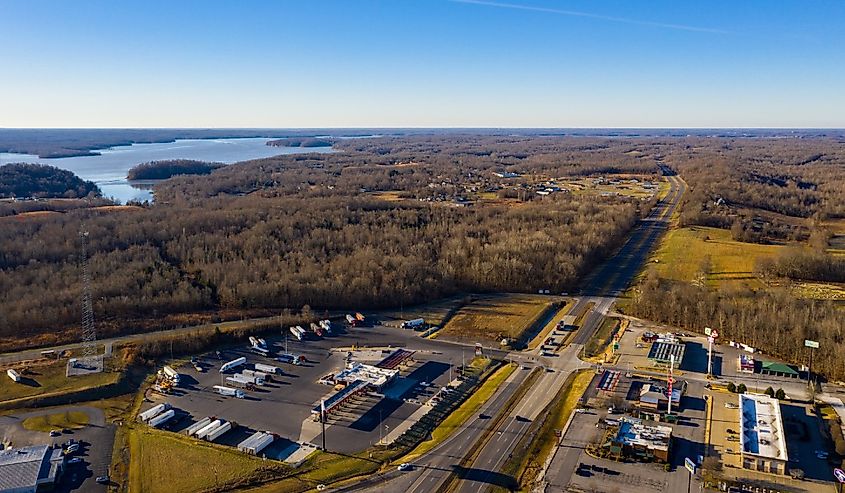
{"points": [[810, 345], [712, 334]]}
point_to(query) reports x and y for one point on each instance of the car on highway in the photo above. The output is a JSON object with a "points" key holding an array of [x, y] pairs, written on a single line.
{"points": [[404, 467]]}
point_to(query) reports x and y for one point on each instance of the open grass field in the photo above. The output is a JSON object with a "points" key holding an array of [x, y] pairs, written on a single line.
{"points": [[526, 466], [819, 291], [495, 317], [166, 463], [683, 251], [459, 416], [433, 313], [598, 344], [49, 378], [73, 420]]}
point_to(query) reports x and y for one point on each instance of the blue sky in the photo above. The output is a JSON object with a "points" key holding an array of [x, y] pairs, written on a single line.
{"points": [[426, 63]]}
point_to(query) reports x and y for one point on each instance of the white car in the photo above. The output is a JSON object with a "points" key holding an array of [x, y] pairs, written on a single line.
{"points": [[404, 467], [74, 460], [73, 447]]}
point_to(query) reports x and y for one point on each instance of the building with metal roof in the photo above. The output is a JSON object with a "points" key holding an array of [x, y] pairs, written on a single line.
{"points": [[762, 439], [778, 369], [30, 469]]}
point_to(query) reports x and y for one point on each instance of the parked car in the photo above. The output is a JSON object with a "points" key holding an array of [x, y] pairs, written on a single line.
{"points": [[103, 479], [55, 433], [74, 460], [73, 447]]}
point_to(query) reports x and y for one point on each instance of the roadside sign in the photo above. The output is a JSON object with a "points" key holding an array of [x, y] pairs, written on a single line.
{"points": [[690, 465], [839, 474], [478, 349], [812, 344], [714, 334], [707, 331]]}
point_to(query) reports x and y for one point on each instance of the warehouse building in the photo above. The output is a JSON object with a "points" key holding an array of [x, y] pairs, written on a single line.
{"points": [[762, 440], [661, 353], [30, 469], [637, 441], [376, 377]]}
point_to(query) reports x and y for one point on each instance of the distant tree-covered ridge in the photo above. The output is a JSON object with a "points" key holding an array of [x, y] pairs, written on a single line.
{"points": [[301, 142], [43, 181], [162, 170]]}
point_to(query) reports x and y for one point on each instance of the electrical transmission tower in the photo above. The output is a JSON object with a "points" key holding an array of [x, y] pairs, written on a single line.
{"points": [[89, 332]]}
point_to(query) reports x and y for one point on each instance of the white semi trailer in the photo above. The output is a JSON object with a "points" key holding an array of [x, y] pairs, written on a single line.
{"points": [[219, 431], [229, 391], [162, 418], [202, 432], [152, 412], [194, 428], [272, 370], [172, 374], [231, 365]]}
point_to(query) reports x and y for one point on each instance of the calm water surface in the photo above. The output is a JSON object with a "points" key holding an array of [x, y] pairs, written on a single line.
{"points": [[109, 169]]}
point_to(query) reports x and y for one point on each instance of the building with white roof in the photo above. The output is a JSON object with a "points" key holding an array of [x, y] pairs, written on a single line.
{"points": [[762, 438], [29, 469], [642, 442], [376, 377]]}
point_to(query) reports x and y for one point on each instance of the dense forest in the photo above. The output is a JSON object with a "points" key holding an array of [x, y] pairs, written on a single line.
{"points": [[162, 170], [42, 181], [262, 236], [302, 142]]}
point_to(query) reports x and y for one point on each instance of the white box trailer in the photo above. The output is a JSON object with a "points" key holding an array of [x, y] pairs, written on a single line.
{"points": [[253, 377], [194, 428], [270, 369], [202, 432], [416, 323], [153, 412], [219, 431], [257, 442], [229, 391], [14, 375], [162, 418], [326, 325], [242, 381], [172, 374], [231, 365]]}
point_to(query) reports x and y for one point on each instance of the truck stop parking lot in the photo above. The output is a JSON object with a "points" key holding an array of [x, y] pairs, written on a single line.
{"points": [[284, 405]]}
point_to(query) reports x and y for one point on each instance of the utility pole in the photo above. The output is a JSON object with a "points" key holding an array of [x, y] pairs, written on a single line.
{"points": [[811, 345], [323, 421]]}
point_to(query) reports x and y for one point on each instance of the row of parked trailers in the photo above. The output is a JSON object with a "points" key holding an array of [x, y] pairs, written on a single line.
{"points": [[209, 428]]}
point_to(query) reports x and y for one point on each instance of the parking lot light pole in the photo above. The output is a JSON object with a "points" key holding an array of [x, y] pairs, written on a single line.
{"points": [[323, 421]]}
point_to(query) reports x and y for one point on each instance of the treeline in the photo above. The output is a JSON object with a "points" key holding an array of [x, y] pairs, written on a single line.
{"points": [[773, 321], [303, 142], [162, 170], [804, 265], [42, 181]]}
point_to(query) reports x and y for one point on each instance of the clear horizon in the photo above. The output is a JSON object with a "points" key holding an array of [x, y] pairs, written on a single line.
{"points": [[434, 64]]}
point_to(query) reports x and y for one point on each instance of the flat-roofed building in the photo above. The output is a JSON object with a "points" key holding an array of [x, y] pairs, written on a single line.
{"points": [[762, 438], [642, 442], [30, 469]]}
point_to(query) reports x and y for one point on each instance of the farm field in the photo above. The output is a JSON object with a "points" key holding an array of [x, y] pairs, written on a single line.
{"points": [[683, 252], [496, 317]]}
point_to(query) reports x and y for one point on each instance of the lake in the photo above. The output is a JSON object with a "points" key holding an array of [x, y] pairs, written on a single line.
{"points": [[108, 170]]}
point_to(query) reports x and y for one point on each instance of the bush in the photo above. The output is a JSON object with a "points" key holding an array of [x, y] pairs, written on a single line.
{"points": [[741, 388], [780, 395], [770, 392], [731, 387]]}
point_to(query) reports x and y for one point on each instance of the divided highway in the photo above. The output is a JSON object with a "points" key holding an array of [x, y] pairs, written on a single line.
{"points": [[600, 290]]}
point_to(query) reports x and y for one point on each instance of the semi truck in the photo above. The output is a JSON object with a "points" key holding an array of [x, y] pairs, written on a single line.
{"points": [[416, 323], [242, 381], [291, 359], [326, 325], [231, 365], [260, 350], [153, 412], [351, 320], [172, 374], [162, 418], [257, 377], [15, 376], [316, 329], [272, 370], [229, 391]]}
